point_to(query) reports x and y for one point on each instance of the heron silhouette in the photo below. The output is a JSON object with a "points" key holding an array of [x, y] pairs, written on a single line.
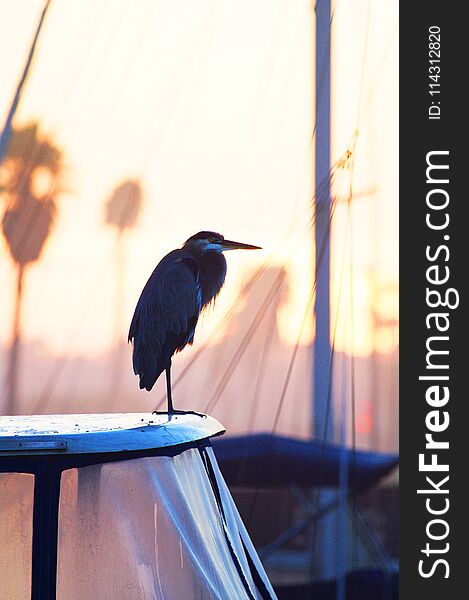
{"points": [[183, 283]]}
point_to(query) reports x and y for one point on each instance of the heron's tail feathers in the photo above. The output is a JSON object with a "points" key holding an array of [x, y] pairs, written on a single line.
{"points": [[146, 366], [146, 383]]}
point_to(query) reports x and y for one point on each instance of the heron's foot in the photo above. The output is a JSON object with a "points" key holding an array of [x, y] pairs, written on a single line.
{"points": [[178, 412], [188, 412]]}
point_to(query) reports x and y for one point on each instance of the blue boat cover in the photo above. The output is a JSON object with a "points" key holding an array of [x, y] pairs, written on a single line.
{"points": [[266, 460]]}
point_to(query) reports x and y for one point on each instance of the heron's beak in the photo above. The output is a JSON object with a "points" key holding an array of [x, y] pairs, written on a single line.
{"points": [[229, 245]]}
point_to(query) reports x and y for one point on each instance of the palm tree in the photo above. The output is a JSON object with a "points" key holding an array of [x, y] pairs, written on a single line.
{"points": [[121, 212], [31, 171]]}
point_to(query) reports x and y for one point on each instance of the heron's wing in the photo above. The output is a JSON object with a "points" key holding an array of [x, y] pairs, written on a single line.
{"points": [[165, 316]]}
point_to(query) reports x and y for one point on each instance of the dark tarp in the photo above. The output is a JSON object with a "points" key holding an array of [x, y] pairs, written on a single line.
{"points": [[265, 460]]}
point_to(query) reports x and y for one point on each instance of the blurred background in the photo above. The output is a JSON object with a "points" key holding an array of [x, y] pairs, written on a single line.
{"points": [[141, 123]]}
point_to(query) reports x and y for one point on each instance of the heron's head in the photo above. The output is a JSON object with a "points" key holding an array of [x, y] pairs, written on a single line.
{"points": [[209, 241]]}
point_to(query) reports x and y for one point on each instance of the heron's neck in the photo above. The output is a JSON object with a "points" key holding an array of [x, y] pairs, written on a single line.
{"points": [[212, 272]]}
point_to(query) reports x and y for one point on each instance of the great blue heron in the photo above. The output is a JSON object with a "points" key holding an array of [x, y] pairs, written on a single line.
{"points": [[181, 286]]}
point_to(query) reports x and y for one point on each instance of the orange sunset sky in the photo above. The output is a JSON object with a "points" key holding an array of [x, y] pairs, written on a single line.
{"points": [[211, 105]]}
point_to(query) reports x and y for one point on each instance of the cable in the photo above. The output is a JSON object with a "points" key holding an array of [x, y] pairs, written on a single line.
{"points": [[244, 343], [261, 371], [60, 363], [257, 274], [27, 221], [17, 97], [294, 354]]}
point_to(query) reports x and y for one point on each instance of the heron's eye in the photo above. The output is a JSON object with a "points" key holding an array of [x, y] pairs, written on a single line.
{"points": [[212, 240]]}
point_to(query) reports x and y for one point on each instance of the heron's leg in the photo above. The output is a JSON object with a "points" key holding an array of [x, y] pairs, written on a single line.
{"points": [[168, 390], [171, 409]]}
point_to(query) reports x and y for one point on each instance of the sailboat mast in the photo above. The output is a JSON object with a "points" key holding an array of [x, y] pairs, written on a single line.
{"points": [[322, 345]]}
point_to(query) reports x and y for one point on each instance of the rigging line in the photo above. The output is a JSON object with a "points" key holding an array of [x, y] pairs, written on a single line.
{"points": [[281, 107], [188, 78], [311, 139], [379, 71], [244, 291], [229, 313], [261, 371], [243, 345], [293, 358], [215, 361], [260, 378], [52, 104], [263, 91], [320, 204], [215, 366], [283, 393], [241, 296], [252, 507], [370, 543], [334, 338], [62, 360], [17, 97], [343, 466], [245, 342], [321, 80], [60, 363], [309, 142], [341, 164], [291, 226], [32, 221], [332, 174], [364, 55], [374, 546], [32, 155], [33, 218], [371, 539], [294, 354], [248, 336], [352, 358], [26, 232], [317, 496], [140, 38], [74, 59], [101, 133], [282, 398], [60, 370], [373, 543], [115, 245], [310, 299], [347, 166]]}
